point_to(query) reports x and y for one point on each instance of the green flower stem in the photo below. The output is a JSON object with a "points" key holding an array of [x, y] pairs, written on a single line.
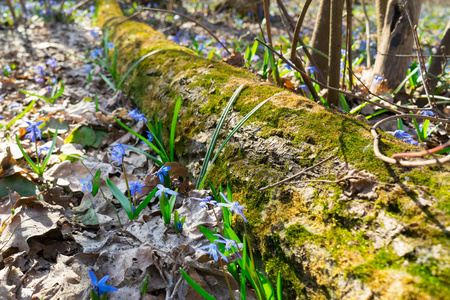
{"points": [[104, 197], [128, 187], [226, 278]]}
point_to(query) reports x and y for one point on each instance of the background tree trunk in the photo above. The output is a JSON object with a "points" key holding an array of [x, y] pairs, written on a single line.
{"points": [[396, 39], [320, 39], [437, 62], [381, 6], [334, 51]]}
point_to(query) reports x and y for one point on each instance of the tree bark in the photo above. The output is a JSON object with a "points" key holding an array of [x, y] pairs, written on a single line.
{"points": [[396, 43], [437, 63], [320, 39], [334, 64], [328, 241], [381, 6]]}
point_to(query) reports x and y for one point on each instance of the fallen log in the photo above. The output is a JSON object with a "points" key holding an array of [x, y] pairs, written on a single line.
{"points": [[353, 227]]}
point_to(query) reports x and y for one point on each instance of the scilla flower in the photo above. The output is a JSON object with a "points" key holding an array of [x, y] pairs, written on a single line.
{"points": [[100, 287], [234, 207]]}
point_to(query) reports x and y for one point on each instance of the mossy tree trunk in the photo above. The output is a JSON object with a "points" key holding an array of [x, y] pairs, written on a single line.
{"points": [[370, 237]]}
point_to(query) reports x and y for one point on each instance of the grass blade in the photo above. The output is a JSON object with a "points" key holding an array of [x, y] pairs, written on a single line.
{"points": [[47, 157], [207, 233], [109, 82], [11, 123], [279, 293], [213, 142], [123, 200], [144, 203], [207, 164], [400, 86], [35, 95], [196, 286], [159, 152], [96, 183], [157, 161], [267, 287], [176, 110], [135, 65], [27, 158], [61, 90]]}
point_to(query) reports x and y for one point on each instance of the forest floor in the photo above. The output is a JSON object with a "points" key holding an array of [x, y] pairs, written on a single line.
{"points": [[53, 231]]}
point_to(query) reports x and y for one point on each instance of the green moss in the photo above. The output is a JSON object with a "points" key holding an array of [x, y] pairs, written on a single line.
{"points": [[383, 259], [434, 280], [297, 235]]}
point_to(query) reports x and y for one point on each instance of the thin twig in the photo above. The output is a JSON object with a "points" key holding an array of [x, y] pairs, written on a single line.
{"points": [[426, 85], [80, 4], [381, 98], [170, 12], [300, 40], [333, 181], [269, 39], [257, 19], [423, 153], [287, 61], [296, 175], [349, 39], [295, 60], [405, 163]]}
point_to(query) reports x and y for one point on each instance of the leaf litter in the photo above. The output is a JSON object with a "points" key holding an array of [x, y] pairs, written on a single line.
{"points": [[52, 233]]}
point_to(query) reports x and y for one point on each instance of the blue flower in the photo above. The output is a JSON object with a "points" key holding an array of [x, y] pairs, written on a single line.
{"points": [[149, 137], [87, 68], [97, 52], [213, 252], [228, 243], [162, 172], [205, 201], [255, 57], [405, 137], [378, 79], [110, 46], [100, 287], [199, 38], [234, 207], [52, 63], [39, 79], [179, 225], [312, 69], [135, 115], [39, 70], [34, 131], [43, 149], [93, 32], [136, 187], [428, 113], [303, 87], [166, 191], [87, 184], [118, 152], [14, 104], [7, 68]]}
